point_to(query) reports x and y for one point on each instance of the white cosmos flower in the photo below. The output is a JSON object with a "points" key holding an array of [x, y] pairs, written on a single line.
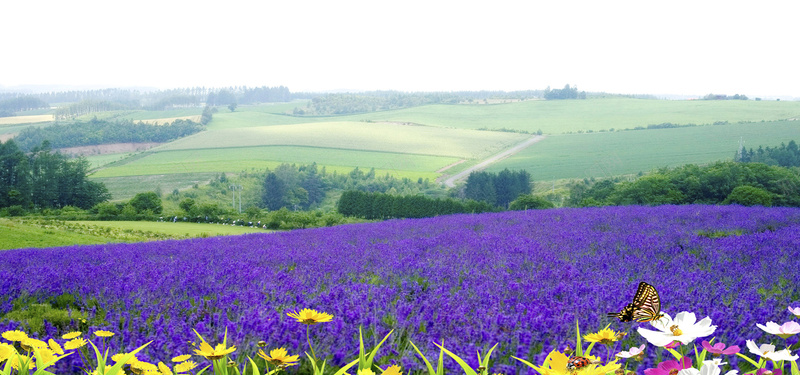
{"points": [[632, 352], [784, 331], [684, 328], [795, 311], [768, 351]]}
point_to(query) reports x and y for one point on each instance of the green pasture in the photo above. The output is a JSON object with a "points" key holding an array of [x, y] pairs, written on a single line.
{"points": [[359, 136], [97, 161], [563, 116], [18, 235], [243, 159], [126, 187], [178, 229], [619, 153], [140, 114]]}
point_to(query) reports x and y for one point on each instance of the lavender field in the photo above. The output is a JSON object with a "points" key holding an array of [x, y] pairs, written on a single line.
{"points": [[520, 279]]}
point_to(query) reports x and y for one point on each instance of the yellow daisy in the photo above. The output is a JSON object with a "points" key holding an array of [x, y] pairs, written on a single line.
{"points": [[214, 353], [118, 357], [181, 358], [55, 347], [15, 335], [309, 316], [103, 333], [6, 351], [71, 335], [365, 371], [605, 336], [29, 344], [392, 370], [140, 367], [75, 343], [185, 366], [19, 361], [164, 369], [279, 357]]}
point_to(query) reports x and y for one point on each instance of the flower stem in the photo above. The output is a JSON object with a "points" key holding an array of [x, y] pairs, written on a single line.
{"points": [[308, 339]]}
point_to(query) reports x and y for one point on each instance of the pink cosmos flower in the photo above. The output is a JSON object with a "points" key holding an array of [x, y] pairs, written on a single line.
{"points": [[672, 345], [784, 331], [795, 311], [632, 352], [664, 368], [776, 371], [720, 349]]}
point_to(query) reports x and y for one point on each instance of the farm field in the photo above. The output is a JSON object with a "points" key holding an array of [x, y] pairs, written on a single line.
{"points": [[563, 116], [30, 119], [177, 230], [235, 160], [519, 279], [597, 155], [15, 235], [126, 187]]}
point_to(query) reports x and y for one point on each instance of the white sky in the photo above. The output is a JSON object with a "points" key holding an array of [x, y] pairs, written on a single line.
{"points": [[650, 47]]}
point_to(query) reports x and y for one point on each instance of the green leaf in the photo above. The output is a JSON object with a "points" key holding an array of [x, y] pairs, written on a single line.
{"points": [[41, 365], [467, 369], [118, 366], [347, 366], [253, 364], [675, 354], [754, 363], [578, 349], [795, 370], [531, 365], [375, 350], [427, 363], [203, 370], [485, 362]]}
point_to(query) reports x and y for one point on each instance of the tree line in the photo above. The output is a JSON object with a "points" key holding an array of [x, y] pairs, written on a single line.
{"points": [[20, 103], [373, 101], [45, 179], [497, 189], [785, 155], [96, 132], [725, 182], [373, 206], [566, 93]]}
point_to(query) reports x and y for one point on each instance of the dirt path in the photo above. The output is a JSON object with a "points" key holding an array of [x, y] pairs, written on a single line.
{"points": [[451, 181]]}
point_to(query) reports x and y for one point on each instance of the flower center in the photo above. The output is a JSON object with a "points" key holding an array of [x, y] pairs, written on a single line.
{"points": [[675, 330], [673, 372]]}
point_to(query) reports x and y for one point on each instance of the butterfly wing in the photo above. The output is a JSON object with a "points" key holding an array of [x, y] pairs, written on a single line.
{"points": [[649, 307], [626, 314]]}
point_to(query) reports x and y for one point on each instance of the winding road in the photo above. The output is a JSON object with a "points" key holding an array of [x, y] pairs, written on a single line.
{"points": [[451, 181]]}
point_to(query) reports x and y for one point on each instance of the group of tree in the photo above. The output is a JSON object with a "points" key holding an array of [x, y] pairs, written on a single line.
{"points": [[373, 101], [20, 103], [725, 182], [565, 93], [724, 97], [373, 206], [497, 189], [88, 106], [785, 155], [45, 179], [143, 206], [96, 132]]}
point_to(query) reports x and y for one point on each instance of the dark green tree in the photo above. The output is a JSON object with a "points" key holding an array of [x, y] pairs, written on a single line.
{"points": [[274, 195], [144, 202]]}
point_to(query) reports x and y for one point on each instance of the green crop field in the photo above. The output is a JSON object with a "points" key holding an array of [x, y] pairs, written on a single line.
{"points": [[617, 153], [244, 159], [360, 136], [126, 187], [563, 116], [16, 235]]}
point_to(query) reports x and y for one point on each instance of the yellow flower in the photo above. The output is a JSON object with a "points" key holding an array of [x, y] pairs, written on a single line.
{"points": [[279, 356], [103, 333], [214, 353], [140, 367], [308, 316], [55, 347], [71, 335], [75, 343], [6, 351], [392, 370], [15, 335], [164, 369], [118, 357], [181, 358], [185, 366], [19, 361], [365, 371], [605, 336], [556, 364], [29, 344]]}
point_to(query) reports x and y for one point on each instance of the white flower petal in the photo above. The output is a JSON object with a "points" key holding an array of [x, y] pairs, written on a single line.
{"points": [[654, 337]]}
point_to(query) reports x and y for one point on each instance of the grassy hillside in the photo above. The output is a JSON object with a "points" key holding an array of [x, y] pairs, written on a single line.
{"points": [[610, 154]]}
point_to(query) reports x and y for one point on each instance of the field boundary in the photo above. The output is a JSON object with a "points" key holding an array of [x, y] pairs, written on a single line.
{"points": [[451, 181]]}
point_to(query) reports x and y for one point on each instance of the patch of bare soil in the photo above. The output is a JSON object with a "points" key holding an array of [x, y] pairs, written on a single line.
{"points": [[113, 148], [451, 166], [5, 137]]}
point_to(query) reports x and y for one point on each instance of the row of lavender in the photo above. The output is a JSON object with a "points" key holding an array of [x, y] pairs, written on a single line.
{"points": [[520, 279]]}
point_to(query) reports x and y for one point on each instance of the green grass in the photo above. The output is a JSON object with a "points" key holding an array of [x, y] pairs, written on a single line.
{"points": [[177, 229], [126, 187], [245, 159], [359, 136], [16, 235], [136, 115], [97, 161], [619, 153]]}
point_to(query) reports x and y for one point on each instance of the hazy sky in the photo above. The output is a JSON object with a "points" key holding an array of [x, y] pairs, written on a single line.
{"points": [[658, 47]]}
